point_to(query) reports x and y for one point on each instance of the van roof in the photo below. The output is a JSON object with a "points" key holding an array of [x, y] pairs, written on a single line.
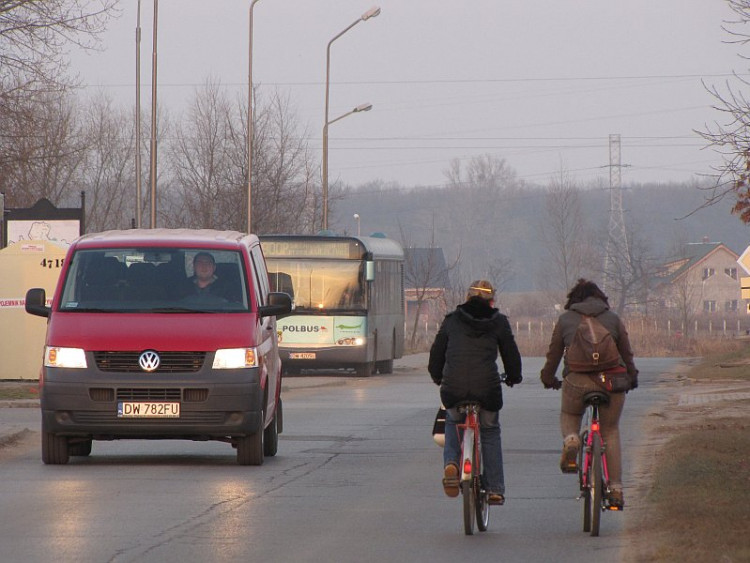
{"points": [[160, 237]]}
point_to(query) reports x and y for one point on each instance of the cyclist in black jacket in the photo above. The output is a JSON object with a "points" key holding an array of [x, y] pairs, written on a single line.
{"points": [[463, 361]]}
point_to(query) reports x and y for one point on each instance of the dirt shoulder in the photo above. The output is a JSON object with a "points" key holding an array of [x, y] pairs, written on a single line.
{"points": [[692, 407]]}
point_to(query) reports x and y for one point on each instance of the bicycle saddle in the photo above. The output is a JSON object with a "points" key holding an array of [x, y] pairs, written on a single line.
{"points": [[596, 398]]}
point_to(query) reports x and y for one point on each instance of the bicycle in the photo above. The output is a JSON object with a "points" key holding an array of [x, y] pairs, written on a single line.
{"points": [[593, 474], [475, 497], [476, 506]]}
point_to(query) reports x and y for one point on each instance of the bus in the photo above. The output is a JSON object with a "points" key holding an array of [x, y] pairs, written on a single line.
{"points": [[348, 299]]}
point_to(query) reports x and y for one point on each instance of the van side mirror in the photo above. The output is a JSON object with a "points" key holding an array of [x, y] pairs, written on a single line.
{"points": [[370, 271], [279, 305], [36, 302]]}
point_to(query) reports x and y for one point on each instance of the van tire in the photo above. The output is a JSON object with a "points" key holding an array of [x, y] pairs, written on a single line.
{"points": [[250, 449], [81, 449], [280, 417], [54, 449], [271, 436]]}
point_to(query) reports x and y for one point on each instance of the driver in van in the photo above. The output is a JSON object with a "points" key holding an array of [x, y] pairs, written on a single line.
{"points": [[204, 273]]}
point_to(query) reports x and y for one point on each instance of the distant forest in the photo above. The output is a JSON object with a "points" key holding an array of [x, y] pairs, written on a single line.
{"points": [[500, 231]]}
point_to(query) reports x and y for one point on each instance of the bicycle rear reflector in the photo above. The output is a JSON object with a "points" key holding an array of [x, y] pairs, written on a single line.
{"points": [[467, 466]]}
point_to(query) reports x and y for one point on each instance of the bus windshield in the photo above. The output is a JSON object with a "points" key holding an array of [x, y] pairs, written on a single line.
{"points": [[318, 285]]}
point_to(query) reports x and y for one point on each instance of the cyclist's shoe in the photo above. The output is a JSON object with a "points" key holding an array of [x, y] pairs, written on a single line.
{"points": [[616, 500], [569, 458], [450, 480], [495, 499]]}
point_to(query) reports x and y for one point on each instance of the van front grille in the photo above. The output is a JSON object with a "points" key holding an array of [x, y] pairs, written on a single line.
{"points": [[146, 394], [170, 362]]}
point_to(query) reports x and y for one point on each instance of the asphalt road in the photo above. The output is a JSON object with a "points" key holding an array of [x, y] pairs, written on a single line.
{"points": [[357, 478]]}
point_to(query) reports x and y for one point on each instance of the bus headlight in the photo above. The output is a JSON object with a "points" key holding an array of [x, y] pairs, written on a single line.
{"points": [[55, 357], [235, 358], [353, 341]]}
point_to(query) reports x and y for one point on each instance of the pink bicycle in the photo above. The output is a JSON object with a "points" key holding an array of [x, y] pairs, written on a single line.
{"points": [[593, 475]]}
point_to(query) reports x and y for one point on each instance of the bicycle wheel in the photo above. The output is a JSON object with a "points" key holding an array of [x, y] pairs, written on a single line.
{"points": [[480, 502], [482, 507], [597, 484], [581, 457], [586, 496], [467, 490]]}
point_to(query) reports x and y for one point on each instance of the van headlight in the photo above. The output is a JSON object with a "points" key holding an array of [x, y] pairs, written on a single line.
{"points": [[56, 357], [235, 358]]}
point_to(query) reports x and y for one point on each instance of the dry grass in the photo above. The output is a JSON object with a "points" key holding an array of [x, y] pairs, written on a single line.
{"points": [[698, 505], [701, 493]]}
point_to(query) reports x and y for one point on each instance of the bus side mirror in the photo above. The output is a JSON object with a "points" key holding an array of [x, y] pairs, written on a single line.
{"points": [[369, 271], [36, 302]]}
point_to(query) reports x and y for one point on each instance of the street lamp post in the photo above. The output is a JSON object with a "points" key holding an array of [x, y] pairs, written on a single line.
{"points": [[250, 120], [371, 13], [356, 218], [153, 117], [138, 203]]}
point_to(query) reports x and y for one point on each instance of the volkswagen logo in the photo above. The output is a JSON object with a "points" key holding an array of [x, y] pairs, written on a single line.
{"points": [[149, 360]]}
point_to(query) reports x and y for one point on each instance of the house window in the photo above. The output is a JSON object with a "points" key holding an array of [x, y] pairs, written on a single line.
{"points": [[708, 272], [731, 272], [730, 306], [709, 306]]}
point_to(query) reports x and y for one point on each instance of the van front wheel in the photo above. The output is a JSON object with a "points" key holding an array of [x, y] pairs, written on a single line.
{"points": [[250, 449], [54, 449]]}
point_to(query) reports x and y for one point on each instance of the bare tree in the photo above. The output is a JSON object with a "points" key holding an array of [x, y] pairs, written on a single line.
{"points": [[476, 218], [563, 232], [200, 161], [425, 272], [731, 138], [286, 183], [632, 268], [39, 145], [42, 161], [106, 172], [35, 34], [208, 162]]}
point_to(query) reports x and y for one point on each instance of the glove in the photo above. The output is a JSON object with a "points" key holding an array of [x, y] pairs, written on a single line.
{"points": [[554, 384], [511, 381], [633, 382]]}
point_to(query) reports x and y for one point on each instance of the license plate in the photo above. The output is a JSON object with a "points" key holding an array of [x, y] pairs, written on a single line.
{"points": [[302, 355], [149, 409]]}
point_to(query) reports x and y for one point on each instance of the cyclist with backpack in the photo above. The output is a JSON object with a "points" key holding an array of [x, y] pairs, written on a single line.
{"points": [[593, 342]]}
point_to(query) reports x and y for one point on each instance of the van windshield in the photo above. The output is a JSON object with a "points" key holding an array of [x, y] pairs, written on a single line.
{"points": [[156, 280]]}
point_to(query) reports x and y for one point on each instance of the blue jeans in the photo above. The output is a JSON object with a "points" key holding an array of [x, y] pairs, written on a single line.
{"points": [[492, 451]]}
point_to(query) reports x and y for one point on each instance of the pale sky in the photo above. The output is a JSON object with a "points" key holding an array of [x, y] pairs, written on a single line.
{"points": [[539, 83]]}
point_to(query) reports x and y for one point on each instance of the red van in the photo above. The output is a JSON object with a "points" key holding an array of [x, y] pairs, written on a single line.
{"points": [[161, 334]]}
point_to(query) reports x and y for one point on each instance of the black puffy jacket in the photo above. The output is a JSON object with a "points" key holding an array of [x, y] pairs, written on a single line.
{"points": [[463, 357]]}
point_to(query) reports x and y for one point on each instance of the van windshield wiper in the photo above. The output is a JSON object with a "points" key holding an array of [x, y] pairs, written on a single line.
{"points": [[175, 310]]}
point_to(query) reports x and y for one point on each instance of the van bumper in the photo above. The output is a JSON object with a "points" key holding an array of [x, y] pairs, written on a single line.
{"points": [[224, 404]]}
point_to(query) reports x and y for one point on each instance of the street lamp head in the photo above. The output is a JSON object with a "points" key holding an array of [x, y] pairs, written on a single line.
{"points": [[371, 13], [356, 215], [362, 107]]}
